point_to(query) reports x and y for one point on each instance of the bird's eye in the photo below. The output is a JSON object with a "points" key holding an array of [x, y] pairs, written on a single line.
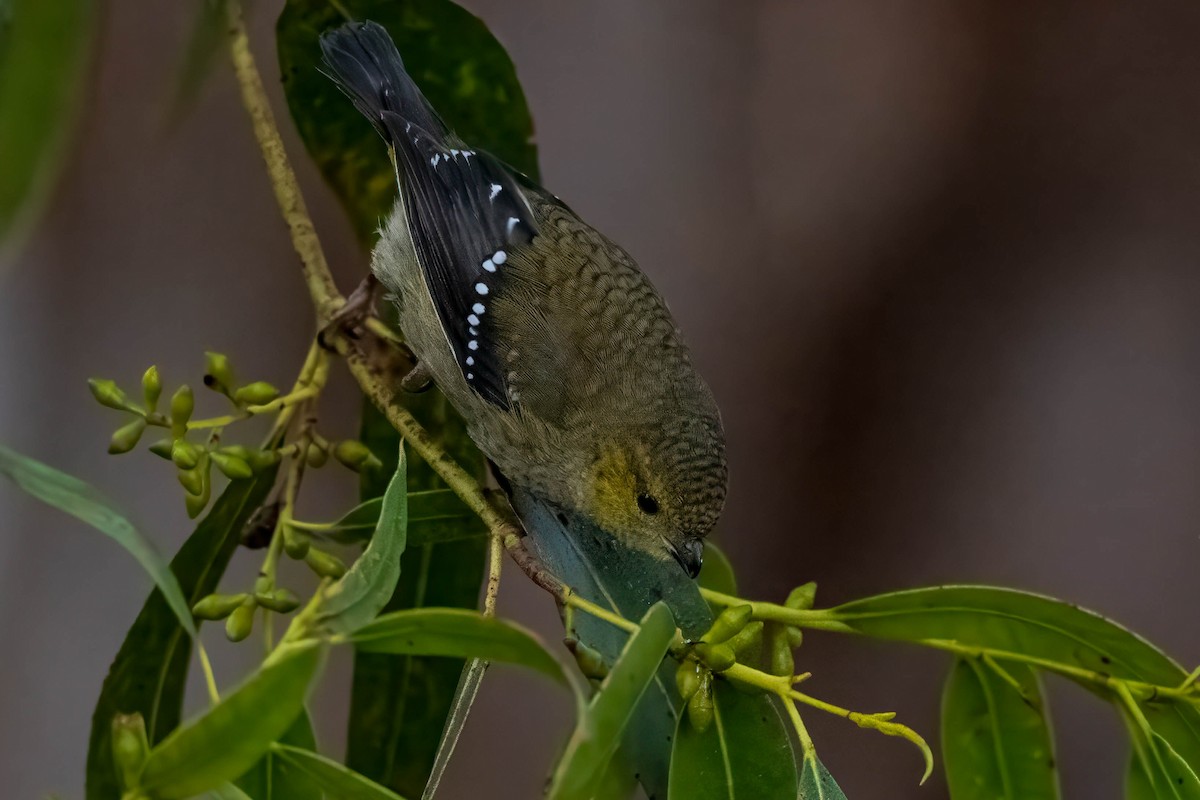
{"points": [[647, 503]]}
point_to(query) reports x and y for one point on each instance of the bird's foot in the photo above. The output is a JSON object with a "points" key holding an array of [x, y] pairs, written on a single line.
{"points": [[348, 320], [418, 379]]}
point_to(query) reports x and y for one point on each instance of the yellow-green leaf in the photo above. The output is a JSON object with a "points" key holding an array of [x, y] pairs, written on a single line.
{"points": [[743, 753], [1020, 622], [996, 740], [456, 632], [598, 732], [231, 736], [83, 502], [362, 593], [149, 673], [338, 781]]}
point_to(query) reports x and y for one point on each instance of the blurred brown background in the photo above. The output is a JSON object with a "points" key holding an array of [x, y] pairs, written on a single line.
{"points": [[938, 260]]}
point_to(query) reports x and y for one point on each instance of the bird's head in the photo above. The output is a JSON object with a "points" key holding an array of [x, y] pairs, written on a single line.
{"points": [[661, 490]]}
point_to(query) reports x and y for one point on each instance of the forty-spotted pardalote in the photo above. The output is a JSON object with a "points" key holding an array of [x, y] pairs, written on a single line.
{"points": [[561, 356]]}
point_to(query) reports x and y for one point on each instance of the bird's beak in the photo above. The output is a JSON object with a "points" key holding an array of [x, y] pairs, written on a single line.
{"points": [[690, 555]]}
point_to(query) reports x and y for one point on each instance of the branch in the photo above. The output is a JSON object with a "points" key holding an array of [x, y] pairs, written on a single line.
{"points": [[320, 282]]}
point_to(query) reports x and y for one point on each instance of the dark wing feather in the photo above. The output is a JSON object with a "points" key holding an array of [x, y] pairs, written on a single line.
{"points": [[466, 211]]}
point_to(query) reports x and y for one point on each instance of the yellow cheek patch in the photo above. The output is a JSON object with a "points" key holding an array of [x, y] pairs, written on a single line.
{"points": [[614, 487]]}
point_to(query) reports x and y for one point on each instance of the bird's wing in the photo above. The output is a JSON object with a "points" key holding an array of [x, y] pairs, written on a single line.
{"points": [[466, 211], [467, 215]]}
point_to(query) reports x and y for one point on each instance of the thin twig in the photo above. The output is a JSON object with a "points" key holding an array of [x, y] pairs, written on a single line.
{"points": [[320, 282]]}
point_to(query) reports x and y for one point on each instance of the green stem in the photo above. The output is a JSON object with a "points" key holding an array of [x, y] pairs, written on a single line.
{"points": [[815, 619], [1146, 692], [210, 681]]}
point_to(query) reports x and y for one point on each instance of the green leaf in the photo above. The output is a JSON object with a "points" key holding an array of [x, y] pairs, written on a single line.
{"points": [[464, 698], [338, 781], [459, 633], [1160, 773], [717, 571], [83, 502], [451, 55], [598, 731], [367, 587], [996, 739], [434, 516], [274, 778], [45, 48], [743, 753], [231, 736], [399, 704], [1032, 625], [816, 783], [227, 791], [149, 674]]}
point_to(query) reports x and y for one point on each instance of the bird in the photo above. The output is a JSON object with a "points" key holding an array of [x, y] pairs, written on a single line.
{"points": [[561, 356]]}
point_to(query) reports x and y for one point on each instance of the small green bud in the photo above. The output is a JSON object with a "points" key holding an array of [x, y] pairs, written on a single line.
{"points": [[218, 374], [728, 623], [324, 564], [240, 622], [795, 637], [718, 657], [260, 460], [163, 448], [295, 542], [107, 393], [217, 606], [232, 467], [237, 451], [590, 662], [195, 503], [802, 597], [747, 641], [779, 651], [258, 393], [279, 600], [316, 456], [700, 704], [182, 405], [192, 481], [126, 437], [351, 453], [151, 388], [185, 455], [130, 747], [688, 678]]}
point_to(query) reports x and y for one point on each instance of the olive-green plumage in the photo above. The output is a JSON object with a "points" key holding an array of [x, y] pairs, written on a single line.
{"points": [[547, 337]]}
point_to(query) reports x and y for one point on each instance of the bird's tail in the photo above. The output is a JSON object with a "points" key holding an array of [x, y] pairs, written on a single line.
{"points": [[364, 62]]}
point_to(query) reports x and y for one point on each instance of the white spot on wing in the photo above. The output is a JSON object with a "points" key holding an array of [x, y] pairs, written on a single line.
{"points": [[495, 191], [433, 162], [471, 318], [481, 288], [489, 265], [500, 257], [470, 361], [473, 345], [479, 308], [512, 223]]}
